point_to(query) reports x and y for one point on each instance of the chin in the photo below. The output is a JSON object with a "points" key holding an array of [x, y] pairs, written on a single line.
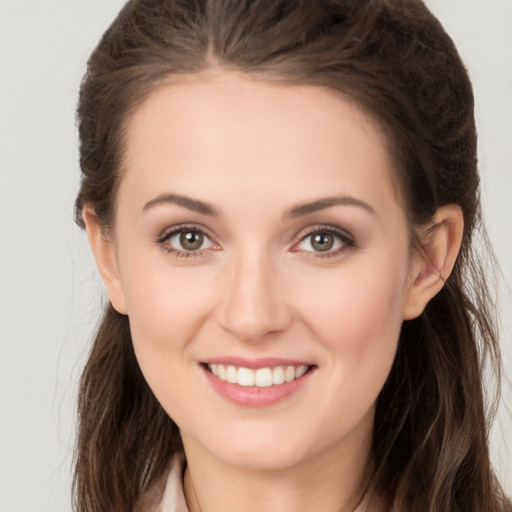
{"points": [[259, 450], [266, 458]]}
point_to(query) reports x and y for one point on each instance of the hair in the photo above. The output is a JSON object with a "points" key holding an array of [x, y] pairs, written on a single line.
{"points": [[430, 444]]}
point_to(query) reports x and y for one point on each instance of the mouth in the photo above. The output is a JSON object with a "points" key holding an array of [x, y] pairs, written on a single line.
{"points": [[257, 382], [265, 377]]}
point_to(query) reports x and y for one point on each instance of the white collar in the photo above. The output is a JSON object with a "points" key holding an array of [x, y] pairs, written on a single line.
{"points": [[173, 499]]}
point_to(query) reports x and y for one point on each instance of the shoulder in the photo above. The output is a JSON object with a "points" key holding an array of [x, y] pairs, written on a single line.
{"points": [[173, 498], [166, 494]]}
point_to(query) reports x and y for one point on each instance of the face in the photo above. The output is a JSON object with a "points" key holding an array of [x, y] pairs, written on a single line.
{"points": [[264, 264]]}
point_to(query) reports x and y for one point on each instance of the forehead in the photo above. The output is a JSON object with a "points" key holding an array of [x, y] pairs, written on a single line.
{"points": [[203, 135]]}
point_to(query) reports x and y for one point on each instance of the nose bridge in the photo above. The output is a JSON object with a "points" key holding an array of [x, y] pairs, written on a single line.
{"points": [[254, 304]]}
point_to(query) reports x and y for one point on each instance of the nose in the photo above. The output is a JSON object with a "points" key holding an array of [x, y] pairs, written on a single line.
{"points": [[253, 306]]}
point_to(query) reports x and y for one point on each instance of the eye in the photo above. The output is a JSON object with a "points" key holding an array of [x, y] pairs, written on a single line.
{"points": [[186, 241], [190, 240], [324, 242]]}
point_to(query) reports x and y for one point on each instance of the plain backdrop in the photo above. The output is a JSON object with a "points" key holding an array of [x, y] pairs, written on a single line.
{"points": [[50, 291]]}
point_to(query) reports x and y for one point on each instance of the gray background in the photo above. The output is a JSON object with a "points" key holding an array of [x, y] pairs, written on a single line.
{"points": [[49, 288]]}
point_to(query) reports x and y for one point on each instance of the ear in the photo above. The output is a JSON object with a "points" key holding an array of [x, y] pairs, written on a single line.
{"points": [[104, 253], [432, 267]]}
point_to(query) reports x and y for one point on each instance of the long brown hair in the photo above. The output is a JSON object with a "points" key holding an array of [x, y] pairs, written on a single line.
{"points": [[430, 450]]}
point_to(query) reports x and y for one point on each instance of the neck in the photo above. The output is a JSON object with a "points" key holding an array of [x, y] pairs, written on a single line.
{"points": [[329, 481]]}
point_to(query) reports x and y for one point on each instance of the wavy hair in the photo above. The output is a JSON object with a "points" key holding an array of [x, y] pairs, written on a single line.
{"points": [[430, 445]]}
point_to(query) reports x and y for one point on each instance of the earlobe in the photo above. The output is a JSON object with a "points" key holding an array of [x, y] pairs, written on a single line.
{"points": [[104, 254], [433, 266]]}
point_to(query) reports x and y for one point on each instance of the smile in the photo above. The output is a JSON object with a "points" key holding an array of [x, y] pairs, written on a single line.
{"points": [[257, 383], [260, 378]]}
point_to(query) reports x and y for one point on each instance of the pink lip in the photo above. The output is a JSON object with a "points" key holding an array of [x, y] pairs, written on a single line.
{"points": [[249, 396], [254, 364]]}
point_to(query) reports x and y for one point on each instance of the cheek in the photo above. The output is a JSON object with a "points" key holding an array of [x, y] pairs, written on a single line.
{"points": [[357, 314], [357, 319], [166, 309], [166, 305]]}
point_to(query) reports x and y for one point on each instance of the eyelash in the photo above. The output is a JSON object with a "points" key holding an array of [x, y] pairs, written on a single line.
{"points": [[164, 238], [347, 241], [345, 238]]}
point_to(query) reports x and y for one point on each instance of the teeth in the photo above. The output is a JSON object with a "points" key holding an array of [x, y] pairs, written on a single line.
{"points": [[278, 375], [300, 371], [260, 378], [289, 374], [263, 378], [245, 377], [231, 374]]}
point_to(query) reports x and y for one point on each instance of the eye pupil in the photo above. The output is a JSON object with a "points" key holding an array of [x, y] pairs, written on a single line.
{"points": [[322, 242], [191, 240]]}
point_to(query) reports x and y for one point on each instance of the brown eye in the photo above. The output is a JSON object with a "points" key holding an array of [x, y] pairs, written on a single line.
{"points": [[191, 240], [322, 242], [186, 241], [325, 242]]}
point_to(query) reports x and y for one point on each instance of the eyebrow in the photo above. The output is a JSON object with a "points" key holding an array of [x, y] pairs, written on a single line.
{"points": [[326, 202], [194, 205], [300, 210]]}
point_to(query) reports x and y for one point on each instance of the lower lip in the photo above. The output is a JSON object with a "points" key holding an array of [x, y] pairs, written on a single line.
{"points": [[252, 396]]}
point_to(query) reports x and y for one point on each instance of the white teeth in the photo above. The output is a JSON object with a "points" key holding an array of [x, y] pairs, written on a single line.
{"points": [[278, 375], [263, 378], [245, 377], [231, 374], [300, 371], [289, 373], [260, 378]]}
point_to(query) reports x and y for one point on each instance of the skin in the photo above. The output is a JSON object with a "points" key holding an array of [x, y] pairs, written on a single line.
{"points": [[254, 151]]}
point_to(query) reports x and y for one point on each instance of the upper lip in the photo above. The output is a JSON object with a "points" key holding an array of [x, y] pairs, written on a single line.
{"points": [[254, 364]]}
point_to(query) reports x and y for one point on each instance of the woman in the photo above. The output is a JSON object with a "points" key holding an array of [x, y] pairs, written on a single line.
{"points": [[281, 199]]}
